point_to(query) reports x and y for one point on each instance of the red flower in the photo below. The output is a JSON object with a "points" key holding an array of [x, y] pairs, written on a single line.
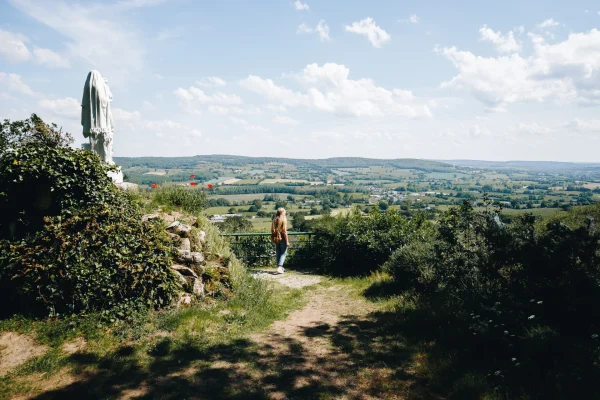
{"points": [[210, 186], [193, 183], [192, 176], [154, 186]]}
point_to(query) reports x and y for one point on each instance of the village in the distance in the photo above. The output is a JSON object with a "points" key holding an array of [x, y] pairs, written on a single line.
{"points": [[251, 188]]}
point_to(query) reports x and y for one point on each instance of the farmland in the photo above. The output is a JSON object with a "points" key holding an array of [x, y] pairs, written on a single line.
{"points": [[335, 186]]}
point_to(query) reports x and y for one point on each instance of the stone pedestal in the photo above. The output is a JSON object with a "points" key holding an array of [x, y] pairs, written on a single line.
{"points": [[117, 176]]}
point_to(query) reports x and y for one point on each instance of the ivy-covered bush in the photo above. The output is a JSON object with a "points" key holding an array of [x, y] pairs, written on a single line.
{"points": [[41, 176], [70, 240], [96, 258]]}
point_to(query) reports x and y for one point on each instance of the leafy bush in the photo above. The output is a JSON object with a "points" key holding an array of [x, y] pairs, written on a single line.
{"points": [[70, 240], [40, 178], [189, 200], [357, 244], [98, 258], [511, 301]]}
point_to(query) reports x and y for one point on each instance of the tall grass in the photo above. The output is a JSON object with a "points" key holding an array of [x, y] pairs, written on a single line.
{"points": [[190, 200]]}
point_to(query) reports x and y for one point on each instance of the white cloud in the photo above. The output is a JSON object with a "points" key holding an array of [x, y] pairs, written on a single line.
{"points": [[303, 28], [583, 126], [300, 6], [67, 107], [211, 81], [414, 19], [50, 59], [198, 95], [194, 100], [521, 29], [565, 72], [371, 30], [165, 128], [329, 89], [282, 119], [322, 30], [549, 23], [13, 47], [504, 44], [12, 83], [531, 128], [98, 33], [159, 76]]}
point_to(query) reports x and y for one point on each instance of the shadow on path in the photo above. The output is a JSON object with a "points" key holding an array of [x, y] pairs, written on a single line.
{"points": [[358, 357]]}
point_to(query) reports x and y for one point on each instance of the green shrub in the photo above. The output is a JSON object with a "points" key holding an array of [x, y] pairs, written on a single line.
{"points": [[95, 259], [70, 240], [356, 244], [189, 200], [512, 302]]}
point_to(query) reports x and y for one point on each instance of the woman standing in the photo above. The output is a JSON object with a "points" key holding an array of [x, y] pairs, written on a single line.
{"points": [[279, 236]]}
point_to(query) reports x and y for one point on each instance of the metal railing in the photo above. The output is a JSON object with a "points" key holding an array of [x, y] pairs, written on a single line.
{"points": [[257, 250]]}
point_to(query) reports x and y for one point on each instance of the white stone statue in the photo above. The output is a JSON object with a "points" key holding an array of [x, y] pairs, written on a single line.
{"points": [[97, 121]]}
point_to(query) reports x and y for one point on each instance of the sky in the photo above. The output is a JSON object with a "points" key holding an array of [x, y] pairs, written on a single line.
{"points": [[510, 80]]}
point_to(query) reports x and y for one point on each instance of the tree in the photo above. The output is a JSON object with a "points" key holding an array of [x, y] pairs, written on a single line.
{"points": [[383, 205], [314, 211], [231, 211], [280, 203], [257, 203], [235, 224], [21, 133]]}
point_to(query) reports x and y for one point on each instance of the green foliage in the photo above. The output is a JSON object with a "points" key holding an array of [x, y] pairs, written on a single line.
{"points": [[32, 130], [512, 301], [356, 244], [70, 240], [188, 199], [39, 179], [235, 224], [98, 258]]}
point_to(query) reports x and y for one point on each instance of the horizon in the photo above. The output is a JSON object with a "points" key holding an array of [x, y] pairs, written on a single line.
{"points": [[372, 158], [312, 80]]}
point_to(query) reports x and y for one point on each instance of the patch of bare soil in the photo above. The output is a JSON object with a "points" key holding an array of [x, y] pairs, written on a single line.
{"points": [[294, 280], [16, 349], [74, 346]]}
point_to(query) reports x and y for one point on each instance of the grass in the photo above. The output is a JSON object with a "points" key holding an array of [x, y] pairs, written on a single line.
{"points": [[133, 351]]}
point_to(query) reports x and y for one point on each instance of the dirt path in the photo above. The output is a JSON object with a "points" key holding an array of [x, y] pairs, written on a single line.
{"points": [[332, 348]]}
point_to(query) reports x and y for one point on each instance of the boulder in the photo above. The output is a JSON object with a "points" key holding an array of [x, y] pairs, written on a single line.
{"points": [[188, 257], [180, 229], [185, 300], [172, 228], [197, 258], [184, 230], [198, 287], [184, 271], [201, 237], [149, 217], [183, 256], [185, 244], [181, 279]]}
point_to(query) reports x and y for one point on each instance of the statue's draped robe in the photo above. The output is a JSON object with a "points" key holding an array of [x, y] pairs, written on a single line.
{"points": [[96, 116]]}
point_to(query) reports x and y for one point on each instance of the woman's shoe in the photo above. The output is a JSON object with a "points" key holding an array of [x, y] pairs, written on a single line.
{"points": [[280, 270]]}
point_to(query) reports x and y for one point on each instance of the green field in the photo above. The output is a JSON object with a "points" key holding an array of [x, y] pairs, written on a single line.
{"points": [[252, 196]]}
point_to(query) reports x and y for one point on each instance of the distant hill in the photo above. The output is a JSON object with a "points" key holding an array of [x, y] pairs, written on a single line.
{"points": [[528, 165], [338, 162]]}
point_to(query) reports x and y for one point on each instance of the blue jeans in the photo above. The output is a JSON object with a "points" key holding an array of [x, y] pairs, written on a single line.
{"points": [[281, 252]]}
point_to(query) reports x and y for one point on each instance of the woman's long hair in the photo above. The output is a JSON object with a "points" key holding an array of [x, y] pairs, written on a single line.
{"points": [[280, 221]]}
